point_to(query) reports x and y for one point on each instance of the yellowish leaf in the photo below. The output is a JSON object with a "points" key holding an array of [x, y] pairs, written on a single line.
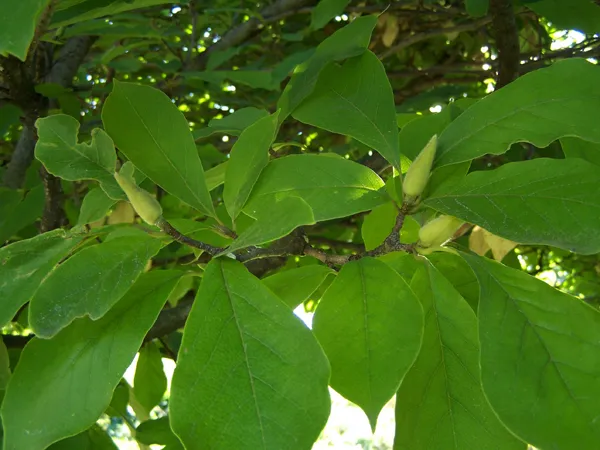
{"points": [[478, 242]]}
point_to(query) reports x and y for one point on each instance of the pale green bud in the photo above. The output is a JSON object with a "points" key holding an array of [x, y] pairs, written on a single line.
{"points": [[144, 204], [437, 231], [418, 173]]}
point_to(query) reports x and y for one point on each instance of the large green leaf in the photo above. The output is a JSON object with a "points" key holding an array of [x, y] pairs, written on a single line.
{"points": [[286, 214], [89, 283], [346, 42], [538, 107], [459, 274], [370, 325], [542, 201], [17, 25], [24, 264], [440, 404], [296, 285], [61, 386], [332, 187], [150, 130], [248, 157], [150, 381], [581, 15], [540, 358], [578, 148], [250, 374], [355, 99], [58, 150]]}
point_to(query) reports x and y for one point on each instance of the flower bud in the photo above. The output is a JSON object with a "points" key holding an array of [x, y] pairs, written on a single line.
{"points": [[144, 204], [437, 231], [418, 173]]}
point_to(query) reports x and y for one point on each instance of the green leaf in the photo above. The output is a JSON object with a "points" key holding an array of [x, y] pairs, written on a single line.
{"points": [[378, 224], [538, 107], [325, 11], [332, 187], [459, 274], [157, 432], [257, 79], [477, 8], [578, 148], [5, 372], [415, 134], [370, 325], [404, 264], [18, 210], [9, 116], [581, 15], [58, 150], [81, 366], [24, 264], [92, 9], [346, 42], [95, 206], [150, 382], [355, 99], [248, 157], [232, 124], [247, 360], [17, 25], [149, 129], [542, 201], [440, 404], [215, 177], [89, 283], [286, 214], [295, 286], [540, 358], [93, 439]]}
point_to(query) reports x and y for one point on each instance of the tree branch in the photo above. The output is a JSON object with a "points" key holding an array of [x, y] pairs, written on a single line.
{"points": [[507, 41]]}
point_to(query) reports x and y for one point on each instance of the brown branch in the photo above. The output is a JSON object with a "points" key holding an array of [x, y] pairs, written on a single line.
{"points": [[507, 41], [54, 215], [167, 228]]}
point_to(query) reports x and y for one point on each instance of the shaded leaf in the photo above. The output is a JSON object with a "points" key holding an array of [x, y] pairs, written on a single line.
{"points": [[58, 150], [355, 99], [17, 25], [18, 210], [578, 148], [82, 364], [89, 283], [232, 124], [542, 201], [150, 130], [325, 11], [477, 8], [370, 325], [246, 359], [95, 206], [581, 15], [93, 439], [150, 381], [295, 286], [540, 346], [157, 432], [215, 177], [538, 107], [440, 404], [24, 264], [378, 224]]}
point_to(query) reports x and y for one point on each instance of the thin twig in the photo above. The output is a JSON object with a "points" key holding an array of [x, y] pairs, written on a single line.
{"points": [[167, 228]]}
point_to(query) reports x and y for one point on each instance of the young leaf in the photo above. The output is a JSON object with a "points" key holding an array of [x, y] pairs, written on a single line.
{"points": [[530, 109], [250, 373], [440, 404], [89, 283], [355, 99], [332, 187], [95, 206], [378, 224], [286, 215], [17, 25], [215, 177], [157, 432], [150, 382], [155, 136], [295, 286], [346, 42], [370, 325], [249, 156], [540, 357], [58, 150], [61, 386], [94, 438], [24, 264], [542, 201]]}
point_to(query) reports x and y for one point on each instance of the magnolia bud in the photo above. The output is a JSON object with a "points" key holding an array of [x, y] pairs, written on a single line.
{"points": [[437, 231], [144, 204], [418, 173]]}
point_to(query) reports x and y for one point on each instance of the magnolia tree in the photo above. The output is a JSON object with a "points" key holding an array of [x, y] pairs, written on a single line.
{"points": [[179, 178]]}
